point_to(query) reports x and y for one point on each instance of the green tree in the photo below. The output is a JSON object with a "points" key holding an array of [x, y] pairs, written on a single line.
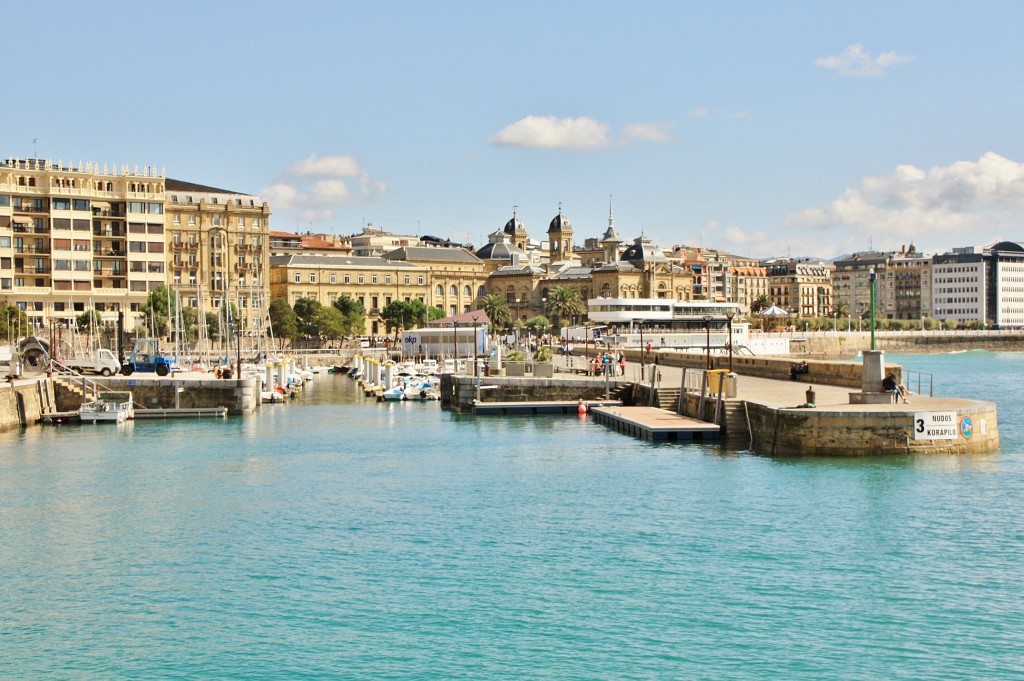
{"points": [[538, 325], [565, 302], [282, 319], [398, 315], [840, 308], [496, 309], [760, 304], [89, 320], [306, 311], [156, 311], [14, 321], [354, 313], [329, 323], [435, 313]]}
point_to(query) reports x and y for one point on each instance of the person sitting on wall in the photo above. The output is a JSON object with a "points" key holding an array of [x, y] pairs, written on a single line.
{"points": [[795, 370], [890, 385]]}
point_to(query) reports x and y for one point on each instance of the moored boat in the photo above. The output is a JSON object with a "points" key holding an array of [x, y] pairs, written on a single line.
{"points": [[110, 407]]}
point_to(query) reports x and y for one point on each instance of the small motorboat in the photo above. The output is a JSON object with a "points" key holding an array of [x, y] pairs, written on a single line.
{"points": [[109, 407]]}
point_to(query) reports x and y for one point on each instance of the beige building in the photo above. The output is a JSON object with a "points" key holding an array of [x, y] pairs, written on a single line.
{"points": [[79, 238], [218, 251], [373, 281], [803, 289]]}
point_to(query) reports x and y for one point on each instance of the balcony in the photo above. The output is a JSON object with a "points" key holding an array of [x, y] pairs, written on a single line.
{"points": [[32, 249]]}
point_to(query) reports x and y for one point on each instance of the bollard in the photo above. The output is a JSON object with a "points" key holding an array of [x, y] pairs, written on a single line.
{"points": [[810, 395]]}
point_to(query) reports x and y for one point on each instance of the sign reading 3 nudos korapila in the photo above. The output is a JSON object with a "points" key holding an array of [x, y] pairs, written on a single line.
{"points": [[936, 425]]}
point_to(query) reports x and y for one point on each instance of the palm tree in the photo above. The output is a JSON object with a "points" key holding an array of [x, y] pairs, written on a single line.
{"points": [[760, 304], [496, 310], [564, 301]]}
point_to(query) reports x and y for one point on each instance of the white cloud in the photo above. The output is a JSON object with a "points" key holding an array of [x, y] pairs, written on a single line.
{"points": [[317, 185], [550, 132], [857, 62], [325, 166], [649, 132], [967, 198], [575, 134], [701, 112]]}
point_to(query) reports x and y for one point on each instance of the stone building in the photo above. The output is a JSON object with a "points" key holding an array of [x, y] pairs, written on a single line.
{"points": [[802, 288], [218, 251], [374, 281]]}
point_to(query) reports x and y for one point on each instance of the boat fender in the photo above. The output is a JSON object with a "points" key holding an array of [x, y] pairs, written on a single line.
{"points": [[582, 407]]}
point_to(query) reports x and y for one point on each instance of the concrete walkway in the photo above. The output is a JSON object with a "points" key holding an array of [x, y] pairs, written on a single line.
{"points": [[783, 394]]}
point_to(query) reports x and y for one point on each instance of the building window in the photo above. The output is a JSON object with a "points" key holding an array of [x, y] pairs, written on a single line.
{"points": [[312, 277], [373, 279], [334, 278], [408, 280], [419, 280], [348, 279], [298, 278], [360, 280], [439, 291]]}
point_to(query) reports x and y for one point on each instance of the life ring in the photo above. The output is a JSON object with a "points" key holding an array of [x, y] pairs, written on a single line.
{"points": [[105, 407]]}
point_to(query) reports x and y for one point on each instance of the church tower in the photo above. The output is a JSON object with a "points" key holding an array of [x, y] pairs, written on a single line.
{"points": [[610, 241], [517, 232], [560, 238]]}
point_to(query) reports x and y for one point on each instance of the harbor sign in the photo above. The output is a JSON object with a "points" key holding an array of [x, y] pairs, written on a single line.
{"points": [[936, 425]]}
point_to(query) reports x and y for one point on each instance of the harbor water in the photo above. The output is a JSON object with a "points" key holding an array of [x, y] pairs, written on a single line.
{"points": [[334, 537]]}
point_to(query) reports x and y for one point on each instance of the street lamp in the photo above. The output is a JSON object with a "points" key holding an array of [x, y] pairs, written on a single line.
{"points": [[455, 323], [476, 370], [729, 315], [643, 350], [707, 340]]}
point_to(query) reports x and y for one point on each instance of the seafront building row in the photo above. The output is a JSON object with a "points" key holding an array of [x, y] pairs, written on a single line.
{"points": [[78, 237]]}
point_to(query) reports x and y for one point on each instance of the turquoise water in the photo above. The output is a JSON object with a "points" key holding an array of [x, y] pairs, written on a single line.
{"points": [[341, 538]]}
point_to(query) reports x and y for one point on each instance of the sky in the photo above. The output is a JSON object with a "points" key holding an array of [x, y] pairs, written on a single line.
{"points": [[765, 129]]}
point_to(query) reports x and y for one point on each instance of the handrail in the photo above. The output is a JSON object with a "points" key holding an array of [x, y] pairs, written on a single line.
{"points": [[917, 381]]}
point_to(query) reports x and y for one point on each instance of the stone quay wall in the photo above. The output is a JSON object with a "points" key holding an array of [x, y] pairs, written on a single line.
{"points": [[241, 397], [779, 432], [458, 393], [24, 402]]}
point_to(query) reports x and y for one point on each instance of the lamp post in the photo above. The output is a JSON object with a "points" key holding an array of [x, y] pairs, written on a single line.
{"points": [[515, 324], [707, 338], [455, 324], [476, 370], [643, 352], [872, 279], [729, 315]]}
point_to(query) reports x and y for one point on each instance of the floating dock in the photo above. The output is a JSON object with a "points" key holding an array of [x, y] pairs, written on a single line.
{"points": [[655, 425], [508, 408], [186, 413]]}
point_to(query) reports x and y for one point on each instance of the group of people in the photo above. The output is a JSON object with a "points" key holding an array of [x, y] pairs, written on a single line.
{"points": [[608, 363]]}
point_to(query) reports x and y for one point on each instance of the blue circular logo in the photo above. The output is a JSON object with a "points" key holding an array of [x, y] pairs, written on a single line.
{"points": [[967, 427]]}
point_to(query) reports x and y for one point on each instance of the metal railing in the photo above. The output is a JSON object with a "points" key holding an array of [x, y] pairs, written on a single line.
{"points": [[919, 382]]}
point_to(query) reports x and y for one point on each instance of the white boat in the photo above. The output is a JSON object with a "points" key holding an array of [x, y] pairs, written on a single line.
{"points": [[421, 390], [393, 395], [112, 407]]}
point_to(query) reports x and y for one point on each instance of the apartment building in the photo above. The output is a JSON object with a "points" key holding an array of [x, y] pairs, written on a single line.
{"points": [[218, 251], [85, 237], [79, 238], [800, 287]]}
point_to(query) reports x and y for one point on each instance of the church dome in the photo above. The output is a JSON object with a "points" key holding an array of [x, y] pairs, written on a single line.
{"points": [[514, 226], [560, 223]]}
